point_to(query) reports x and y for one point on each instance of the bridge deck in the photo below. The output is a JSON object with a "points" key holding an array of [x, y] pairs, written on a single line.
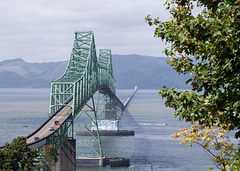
{"points": [[43, 132], [61, 116]]}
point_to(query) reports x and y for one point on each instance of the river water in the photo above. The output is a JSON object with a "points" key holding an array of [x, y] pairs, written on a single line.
{"points": [[23, 110]]}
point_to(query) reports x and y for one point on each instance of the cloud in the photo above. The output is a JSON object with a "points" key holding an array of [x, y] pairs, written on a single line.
{"points": [[43, 30]]}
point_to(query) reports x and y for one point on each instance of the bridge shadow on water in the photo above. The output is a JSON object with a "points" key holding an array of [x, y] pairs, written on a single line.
{"points": [[152, 144], [140, 154]]}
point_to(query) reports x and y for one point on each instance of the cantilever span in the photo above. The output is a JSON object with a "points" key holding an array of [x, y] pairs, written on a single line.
{"points": [[84, 76]]}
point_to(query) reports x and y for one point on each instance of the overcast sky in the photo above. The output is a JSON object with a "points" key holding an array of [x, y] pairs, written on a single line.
{"points": [[43, 30]]}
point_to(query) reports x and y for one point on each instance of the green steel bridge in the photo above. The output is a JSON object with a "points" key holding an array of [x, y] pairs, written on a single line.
{"points": [[72, 98]]}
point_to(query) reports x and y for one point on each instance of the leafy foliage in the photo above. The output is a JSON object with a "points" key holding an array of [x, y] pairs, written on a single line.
{"points": [[50, 156], [214, 140], [17, 156], [235, 160], [205, 46]]}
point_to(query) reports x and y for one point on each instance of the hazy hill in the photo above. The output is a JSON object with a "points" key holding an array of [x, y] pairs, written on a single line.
{"points": [[129, 70], [16, 73], [146, 72]]}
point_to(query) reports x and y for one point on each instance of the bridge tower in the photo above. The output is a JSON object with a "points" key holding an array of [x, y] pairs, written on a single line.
{"points": [[73, 101], [84, 76]]}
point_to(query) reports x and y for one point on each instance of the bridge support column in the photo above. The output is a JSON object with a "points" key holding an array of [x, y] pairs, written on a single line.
{"points": [[67, 156]]}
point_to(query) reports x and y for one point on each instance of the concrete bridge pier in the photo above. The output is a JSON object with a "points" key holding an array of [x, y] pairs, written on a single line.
{"points": [[67, 156]]}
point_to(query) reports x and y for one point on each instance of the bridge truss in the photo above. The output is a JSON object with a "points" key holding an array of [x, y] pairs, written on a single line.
{"points": [[84, 76]]}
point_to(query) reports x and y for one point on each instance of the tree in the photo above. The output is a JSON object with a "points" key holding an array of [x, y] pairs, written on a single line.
{"points": [[1, 159], [17, 156], [205, 46], [50, 156], [214, 141]]}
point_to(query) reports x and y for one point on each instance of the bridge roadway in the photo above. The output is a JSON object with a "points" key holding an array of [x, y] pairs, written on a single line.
{"points": [[43, 131], [61, 116]]}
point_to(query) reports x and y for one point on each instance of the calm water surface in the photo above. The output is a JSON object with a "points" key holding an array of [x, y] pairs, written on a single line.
{"points": [[23, 110]]}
